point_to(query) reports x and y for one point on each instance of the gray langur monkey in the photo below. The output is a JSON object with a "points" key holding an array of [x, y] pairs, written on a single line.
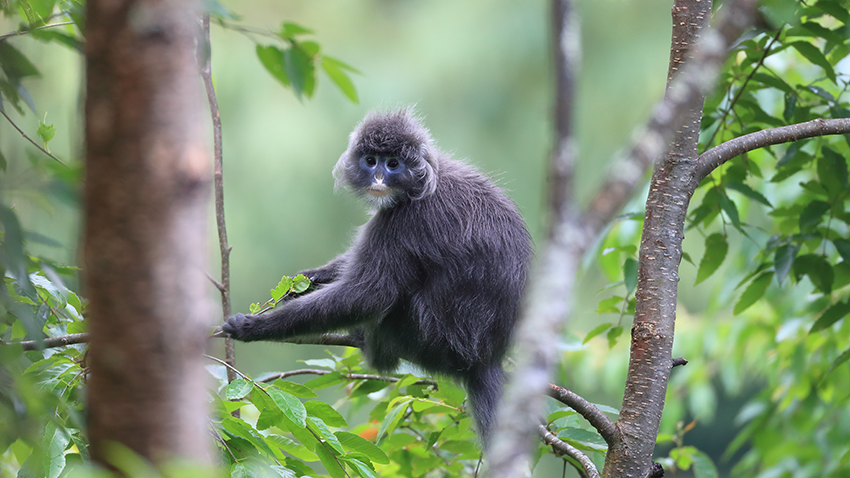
{"points": [[434, 277]]}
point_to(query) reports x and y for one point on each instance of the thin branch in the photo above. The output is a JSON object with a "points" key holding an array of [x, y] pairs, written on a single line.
{"points": [[229, 367], [595, 416], [741, 90], [224, 248], [678, 362], [218, 285], [24, 32], [714, 157], [52, 342], [564, 448], [348, 376], [30, 139]]}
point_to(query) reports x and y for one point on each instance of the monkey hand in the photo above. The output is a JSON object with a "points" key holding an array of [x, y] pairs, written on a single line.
{"points": [[241, 327]]}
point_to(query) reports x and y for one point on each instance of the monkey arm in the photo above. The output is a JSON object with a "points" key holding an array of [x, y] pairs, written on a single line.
{"points": [[328, 273], [333, 307]]}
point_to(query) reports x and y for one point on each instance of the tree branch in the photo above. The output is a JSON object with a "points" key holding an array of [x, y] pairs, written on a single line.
{"points": [[715, 157], [588, 468], [348, 376], [218, 180], [30, 139], [52, 342], [596, 417], [24, 32], [672, 137]]}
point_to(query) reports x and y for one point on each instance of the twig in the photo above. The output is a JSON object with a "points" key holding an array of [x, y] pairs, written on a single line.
{"points": [[52, 342], [740, 92], [31, 140], [595, 416], [229, 367], [564, 448], [224, 248], [348, 376], [678, 361], [24, 32]]}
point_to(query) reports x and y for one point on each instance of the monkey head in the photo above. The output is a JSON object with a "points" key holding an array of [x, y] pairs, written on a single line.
{"points": [[390, 158]]}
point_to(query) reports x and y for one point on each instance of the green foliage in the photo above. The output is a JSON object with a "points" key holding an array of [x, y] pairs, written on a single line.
{"points": [[419, 425]]}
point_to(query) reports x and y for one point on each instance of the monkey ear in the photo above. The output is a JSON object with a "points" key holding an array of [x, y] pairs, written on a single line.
{"points": [[339, 172]]}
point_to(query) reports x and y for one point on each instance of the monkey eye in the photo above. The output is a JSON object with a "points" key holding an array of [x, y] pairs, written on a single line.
{"points": [[393, 163], [370, 160]]}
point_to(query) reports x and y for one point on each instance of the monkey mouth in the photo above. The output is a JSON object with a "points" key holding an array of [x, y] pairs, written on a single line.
{"points": [[378, 190]]}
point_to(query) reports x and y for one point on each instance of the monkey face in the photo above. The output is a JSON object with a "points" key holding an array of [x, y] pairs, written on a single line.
{"points": [[384, 174]]}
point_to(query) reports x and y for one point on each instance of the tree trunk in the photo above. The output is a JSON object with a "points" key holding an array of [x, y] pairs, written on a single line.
{"points": [[660, 253], [146, 196]]}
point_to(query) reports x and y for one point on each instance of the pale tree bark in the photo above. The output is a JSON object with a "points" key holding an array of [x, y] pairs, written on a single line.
{"points": [[146, 195]]}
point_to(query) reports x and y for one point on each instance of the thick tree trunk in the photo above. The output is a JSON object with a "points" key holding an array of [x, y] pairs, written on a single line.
{"points": [[147, 184]]}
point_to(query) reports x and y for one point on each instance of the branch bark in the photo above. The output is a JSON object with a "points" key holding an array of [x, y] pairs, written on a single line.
{"points": [[588, 468], [596, 417], [715, 157], [691, 75], [146, 192], [223, 286]]}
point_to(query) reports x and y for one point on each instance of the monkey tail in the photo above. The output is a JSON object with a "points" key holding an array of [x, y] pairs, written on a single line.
{"points": [[484, 386]]}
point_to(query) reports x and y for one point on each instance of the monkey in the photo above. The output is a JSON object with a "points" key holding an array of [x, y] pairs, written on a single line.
{"points": [[434, 277]]}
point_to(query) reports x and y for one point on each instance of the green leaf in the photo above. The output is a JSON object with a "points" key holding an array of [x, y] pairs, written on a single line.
{"points": [[289, 405], [238, 388], [610, 305], [15, 65], [613, 335], [596, 331], [56, 441], [282, 288], [630, 271], [716, 248], [775, 82], [817, 268], [318, 426], [330, 462], [843, 248], [832, 172], [296, 389], [326, 412], [703, 467], [790, 106], [238, 427], [813, 213], [844, 357], [290, 30], [300, 283], [783, 259], [272, 59], [820, 92], [335, 70], [397, 411], [299, 70], [753, 292], [729, 207], [362, 469], [352, 442], [748, 191], [836, 9], [832, 315], [814, 55]]}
